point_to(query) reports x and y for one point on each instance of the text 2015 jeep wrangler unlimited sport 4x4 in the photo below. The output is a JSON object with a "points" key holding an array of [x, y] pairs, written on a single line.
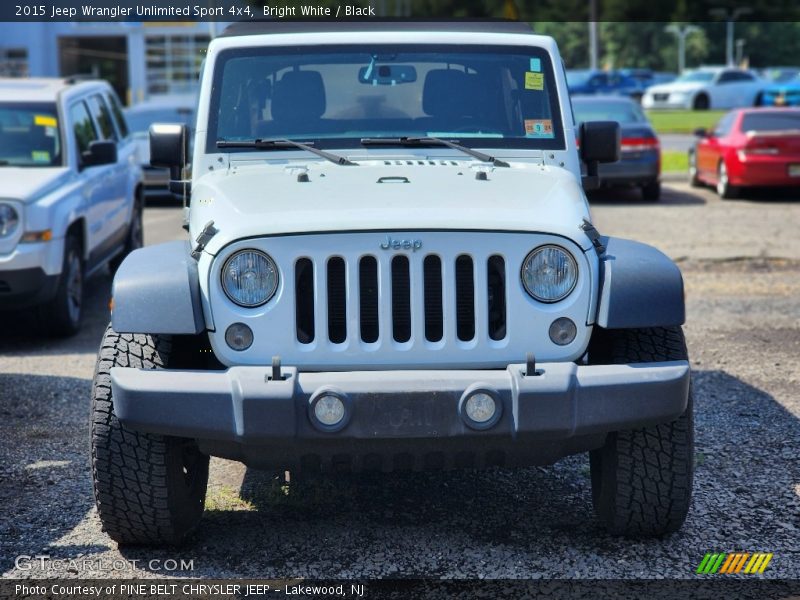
{"points": [[391, 266]]}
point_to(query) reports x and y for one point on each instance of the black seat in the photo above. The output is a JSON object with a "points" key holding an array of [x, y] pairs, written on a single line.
{"points": [[298, 103]]}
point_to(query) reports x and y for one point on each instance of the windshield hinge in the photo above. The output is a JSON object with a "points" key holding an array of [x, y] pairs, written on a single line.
{"points": [[594, 235], [205, 236]]}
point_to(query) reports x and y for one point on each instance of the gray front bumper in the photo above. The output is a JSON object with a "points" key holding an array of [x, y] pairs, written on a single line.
{"points": [[244, 406]]}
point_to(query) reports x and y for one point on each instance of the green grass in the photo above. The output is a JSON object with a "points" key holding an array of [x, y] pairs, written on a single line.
{"points": [[683, 121], [674, 160]]}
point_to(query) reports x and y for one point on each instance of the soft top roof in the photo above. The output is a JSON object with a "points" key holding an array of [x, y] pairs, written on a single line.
{"points": [[337, 26]]}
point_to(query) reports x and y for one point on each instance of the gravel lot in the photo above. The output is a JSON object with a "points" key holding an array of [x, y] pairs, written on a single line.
{"points": [[741, 261]]}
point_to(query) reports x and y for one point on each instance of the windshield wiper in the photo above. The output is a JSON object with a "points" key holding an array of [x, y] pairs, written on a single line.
{"points": [[260, 144], [433, 141]]}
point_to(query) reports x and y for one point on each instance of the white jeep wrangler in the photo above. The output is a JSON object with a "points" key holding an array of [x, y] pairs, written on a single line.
{"points": [[391, 266]]}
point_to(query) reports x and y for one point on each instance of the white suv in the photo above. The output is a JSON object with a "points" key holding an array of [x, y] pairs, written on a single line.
{"points": [[70, 197], [390, 266]]}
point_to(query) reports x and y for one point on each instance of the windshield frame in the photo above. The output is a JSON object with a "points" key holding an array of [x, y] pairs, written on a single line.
{"points": [[557, 142], [48, 108]]}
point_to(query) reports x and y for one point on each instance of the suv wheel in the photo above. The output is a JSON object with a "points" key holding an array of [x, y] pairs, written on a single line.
{"points": [[724, 188], [149, 489], [62, 315], [651, 191], [135, 239], [642, 478]]}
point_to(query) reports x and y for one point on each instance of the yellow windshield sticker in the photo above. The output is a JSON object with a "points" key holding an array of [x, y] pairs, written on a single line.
{"points": [[40, 156], [534, 81], [44, 121]]}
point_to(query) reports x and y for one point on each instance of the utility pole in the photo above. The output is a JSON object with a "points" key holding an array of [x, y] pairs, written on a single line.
{"points": [[593, 34], [681, 32], [729, 16]]}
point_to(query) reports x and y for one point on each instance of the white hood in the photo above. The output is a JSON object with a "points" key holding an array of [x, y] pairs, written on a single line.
{"points": [[27, 184], [255, 198]]}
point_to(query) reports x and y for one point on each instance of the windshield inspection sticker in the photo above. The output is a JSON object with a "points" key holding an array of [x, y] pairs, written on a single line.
{"points": [[536, 65], [539, 128], [534, 81], [40, 156], [44, 121]]}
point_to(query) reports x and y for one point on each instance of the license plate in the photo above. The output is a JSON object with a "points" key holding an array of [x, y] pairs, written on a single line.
{"points": [[794, 170]]}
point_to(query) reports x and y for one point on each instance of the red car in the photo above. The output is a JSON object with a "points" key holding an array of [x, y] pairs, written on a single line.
{"points": [[748, 147]]}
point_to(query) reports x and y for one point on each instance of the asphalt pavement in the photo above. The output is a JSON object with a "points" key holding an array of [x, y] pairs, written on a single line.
{"points": [[740, 261]]}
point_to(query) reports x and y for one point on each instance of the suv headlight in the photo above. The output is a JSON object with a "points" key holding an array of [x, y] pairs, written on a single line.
{"points": [[9, 220], [549, 273], [249, 278]]}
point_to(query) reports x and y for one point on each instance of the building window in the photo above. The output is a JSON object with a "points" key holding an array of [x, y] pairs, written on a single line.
{"points": [[13, 62], [173, 63]]}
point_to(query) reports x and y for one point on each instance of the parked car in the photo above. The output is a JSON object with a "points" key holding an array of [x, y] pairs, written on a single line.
{"points": [[591, 82], [750, 147], [70, 194], [706, 88], [779, 74], [648, 77], [178, 108], [362, 293], [782, 93], [640, 161]]}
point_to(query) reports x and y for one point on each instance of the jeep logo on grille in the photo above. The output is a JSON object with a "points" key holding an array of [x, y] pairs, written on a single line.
{"points": [[401, 244]]}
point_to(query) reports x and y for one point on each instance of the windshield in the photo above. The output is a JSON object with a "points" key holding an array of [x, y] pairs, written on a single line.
{"points": [[29, 135], [699, 76], [334, 96], [140, 120], [575, 78], [771, 121], [611, 110]]}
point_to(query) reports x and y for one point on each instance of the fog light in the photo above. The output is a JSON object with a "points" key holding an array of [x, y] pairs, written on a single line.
{"points": [[480, 408], [239, 336], [563, 331], [329, 410]]}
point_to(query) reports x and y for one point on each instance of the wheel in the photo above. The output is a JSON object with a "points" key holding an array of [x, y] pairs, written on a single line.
{"points": [[642, 478], [135, 239], [651, 191], [149, 489], [725, 190], [701, 102], [759, 101], [694, 180], [61, 317]]}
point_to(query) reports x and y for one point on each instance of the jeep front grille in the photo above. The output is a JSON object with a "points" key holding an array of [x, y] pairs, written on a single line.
{"points": [[395, 280]]}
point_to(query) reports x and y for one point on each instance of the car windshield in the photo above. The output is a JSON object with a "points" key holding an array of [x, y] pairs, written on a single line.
{"points": [[696, 76], [771, 121], [139, 120], [334, 96], [782, 75], [610, 110], [29, 135], [577, 77]]}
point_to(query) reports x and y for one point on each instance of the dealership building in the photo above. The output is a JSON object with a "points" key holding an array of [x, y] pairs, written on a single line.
{"points": [[141, 60]]}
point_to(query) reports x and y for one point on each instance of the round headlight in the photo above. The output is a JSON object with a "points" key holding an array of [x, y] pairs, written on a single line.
{"points": [[549, 273], [9, 220], [249, 278]]}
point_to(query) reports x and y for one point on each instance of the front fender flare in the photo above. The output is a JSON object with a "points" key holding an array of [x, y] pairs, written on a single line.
{"points": [[156, 290], [639, 287]]}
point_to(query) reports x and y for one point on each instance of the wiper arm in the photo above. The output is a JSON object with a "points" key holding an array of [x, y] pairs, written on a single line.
{"points": [[260, 144], [433, 141]]}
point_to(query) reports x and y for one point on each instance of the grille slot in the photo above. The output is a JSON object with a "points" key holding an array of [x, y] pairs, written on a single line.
{"points": [[337, 301], [496, 290], [401, 299], [368, 298], [434, 316], [465, 298], [304, 300]]}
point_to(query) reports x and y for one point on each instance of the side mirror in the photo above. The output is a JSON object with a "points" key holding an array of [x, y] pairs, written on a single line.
{"points": [[100, 152], [169, 148], [700, 132], [600, 143]]}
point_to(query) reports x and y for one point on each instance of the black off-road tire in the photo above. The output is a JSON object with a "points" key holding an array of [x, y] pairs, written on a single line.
{"points": [[62, 316], [642, 478], [149, 489], [135, 238]]}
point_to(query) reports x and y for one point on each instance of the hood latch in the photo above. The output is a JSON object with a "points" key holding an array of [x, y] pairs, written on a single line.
{"points": [[209, 231]]}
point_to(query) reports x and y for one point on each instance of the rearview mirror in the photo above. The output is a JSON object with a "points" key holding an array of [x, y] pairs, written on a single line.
{"points": [[169, 147], [387, 74], [600, 143], [701, 132], [100, 152]]}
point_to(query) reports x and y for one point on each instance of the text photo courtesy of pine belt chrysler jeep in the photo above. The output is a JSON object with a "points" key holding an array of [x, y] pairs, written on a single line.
{"points": [[391, 266], [70, 197]]}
